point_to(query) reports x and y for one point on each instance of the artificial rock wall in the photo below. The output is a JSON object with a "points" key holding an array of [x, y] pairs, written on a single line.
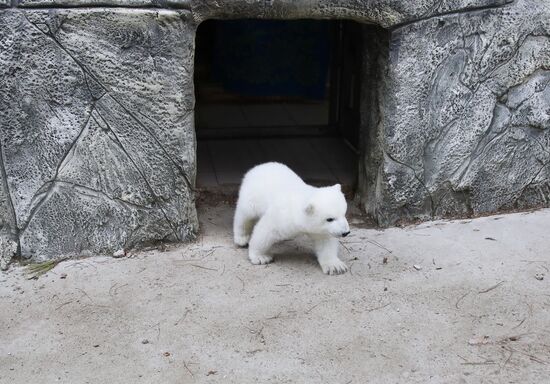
{"points": [[464, 115], [96, 114]]}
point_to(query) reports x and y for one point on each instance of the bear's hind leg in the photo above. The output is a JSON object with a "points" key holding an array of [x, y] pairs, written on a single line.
{"points": [[263, 237], [243, 224]]}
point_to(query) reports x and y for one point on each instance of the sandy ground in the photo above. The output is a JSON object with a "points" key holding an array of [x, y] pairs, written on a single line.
{"points": [[442, 302]]}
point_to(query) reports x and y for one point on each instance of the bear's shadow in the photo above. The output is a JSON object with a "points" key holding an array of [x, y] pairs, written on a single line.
{"points": [[293, 252]]}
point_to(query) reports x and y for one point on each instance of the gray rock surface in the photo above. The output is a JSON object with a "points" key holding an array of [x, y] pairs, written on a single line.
{"points": [[386, 13], [8, 225], [97, 135], [96, 114], [465, 115], [93, 3]]}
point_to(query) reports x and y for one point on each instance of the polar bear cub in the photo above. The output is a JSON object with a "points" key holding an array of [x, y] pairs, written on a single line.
{"points": [[276, 204]]}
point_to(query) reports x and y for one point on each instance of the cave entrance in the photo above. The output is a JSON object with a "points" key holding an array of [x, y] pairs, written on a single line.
{"points": [[278, 90]]}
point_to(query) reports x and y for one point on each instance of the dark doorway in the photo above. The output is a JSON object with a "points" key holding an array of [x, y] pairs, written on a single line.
{"points": [[274, 90]]}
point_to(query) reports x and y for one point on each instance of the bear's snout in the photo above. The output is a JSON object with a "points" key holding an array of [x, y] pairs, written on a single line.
{"points": [[344, 234]]}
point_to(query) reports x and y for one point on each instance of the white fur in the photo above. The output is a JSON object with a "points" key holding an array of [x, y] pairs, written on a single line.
{"points": [[275, 204]]}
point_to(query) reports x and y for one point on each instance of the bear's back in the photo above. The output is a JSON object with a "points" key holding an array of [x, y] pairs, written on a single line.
{"points": [[270, 184]]}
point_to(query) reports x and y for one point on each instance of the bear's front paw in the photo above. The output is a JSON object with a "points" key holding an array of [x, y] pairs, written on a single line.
{"points": [[241, 241], [334, 267], [259, 258]]}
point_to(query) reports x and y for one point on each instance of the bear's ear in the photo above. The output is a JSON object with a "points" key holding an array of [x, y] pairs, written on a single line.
{"points": [[337, 186], [310, 209]]}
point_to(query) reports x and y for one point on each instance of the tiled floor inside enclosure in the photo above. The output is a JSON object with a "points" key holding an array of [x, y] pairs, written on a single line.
{"points": [[318, 160], [261, 114]]}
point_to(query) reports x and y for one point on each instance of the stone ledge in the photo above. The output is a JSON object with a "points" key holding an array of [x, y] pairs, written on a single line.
{"points": [[103, 3], [386, 13]]}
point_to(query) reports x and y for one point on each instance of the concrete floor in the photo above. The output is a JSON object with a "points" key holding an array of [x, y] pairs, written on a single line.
{"points": [[442, 302]]}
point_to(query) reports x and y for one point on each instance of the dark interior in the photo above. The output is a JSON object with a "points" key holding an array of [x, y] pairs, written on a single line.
{"points": [[277, 90]]}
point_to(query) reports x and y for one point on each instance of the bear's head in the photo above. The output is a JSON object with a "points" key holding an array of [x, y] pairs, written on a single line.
{"points": [[326, 212]]}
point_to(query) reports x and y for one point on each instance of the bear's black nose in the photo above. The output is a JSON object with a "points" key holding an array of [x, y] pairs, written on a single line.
{"points": [[345, 234]]}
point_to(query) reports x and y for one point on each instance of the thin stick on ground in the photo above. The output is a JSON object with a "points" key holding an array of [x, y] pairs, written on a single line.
{"points": [[520, 323], [188, 370], [200, 266], [85, 294], [377, 308], [492, 287], [488, 362], [62, 305], [379, 245], [315, 306], [460, 299], [345, 247], [276, 316], [187, 311], [467, 362], [242, 281], [531, 357], [507, 360]]}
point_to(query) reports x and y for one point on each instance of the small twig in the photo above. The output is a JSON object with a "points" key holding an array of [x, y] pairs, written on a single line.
{"points": [[507, 339], [85, 294], [379, 245], [242, 289], [345, 247], [315, 306], [460, 299], [492, 287], [111, 289], [183, 317], [210, 253], [532, 357], [377, 308], [521, 322], [74, 264], [466, 362], [68, 302], [276, 316], [188, 370], [507, 360], [200, 266], [350, 267], [117, 288], [534, 261], [478, 362]]}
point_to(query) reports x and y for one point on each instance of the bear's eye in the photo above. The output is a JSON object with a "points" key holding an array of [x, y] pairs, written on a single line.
{"points": [[330, 219]]}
